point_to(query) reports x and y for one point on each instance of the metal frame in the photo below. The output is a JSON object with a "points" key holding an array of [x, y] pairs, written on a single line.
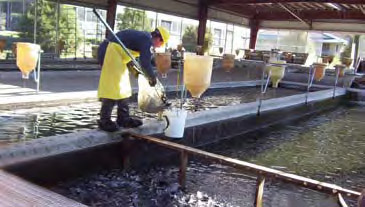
{"points": [[261, 171], [337, 71], [311, 73], [37, 72], [357, 64], [264, 86], [35, 21]]}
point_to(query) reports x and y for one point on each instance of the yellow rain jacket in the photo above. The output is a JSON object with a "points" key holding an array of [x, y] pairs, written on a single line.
{"points": [[114, 79]]}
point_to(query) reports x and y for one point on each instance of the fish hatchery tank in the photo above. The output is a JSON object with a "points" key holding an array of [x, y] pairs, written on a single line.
{"points": [[27, 124], [328, 146]]}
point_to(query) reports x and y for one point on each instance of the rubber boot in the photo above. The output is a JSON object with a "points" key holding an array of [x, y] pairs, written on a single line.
{"points": [[105, 123], [123, 119]]}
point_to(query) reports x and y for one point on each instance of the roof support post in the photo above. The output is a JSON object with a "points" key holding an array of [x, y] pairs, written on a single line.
{"points": [[203, 17], [254, 26], [357, 47], [111, 14]]}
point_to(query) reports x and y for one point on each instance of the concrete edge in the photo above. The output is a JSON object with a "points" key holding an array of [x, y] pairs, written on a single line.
{"points": [[305, 84], [230, 112]]}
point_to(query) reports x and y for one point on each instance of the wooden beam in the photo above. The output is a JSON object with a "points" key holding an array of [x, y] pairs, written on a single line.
{"points": [[250, 167], [311, 15], [111, 14], [337, 6], [266, 13], [15, 191], [235, 2], [240, 10], [203, 17], [254, 27]]}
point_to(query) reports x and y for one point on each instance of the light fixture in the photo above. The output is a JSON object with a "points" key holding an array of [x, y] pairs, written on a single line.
{"points": [[335, 6]]}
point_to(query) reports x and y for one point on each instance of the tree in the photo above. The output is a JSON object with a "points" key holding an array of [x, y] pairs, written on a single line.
{"points": [[190, 39], [348, 49], [46, 25], [133, 19]]}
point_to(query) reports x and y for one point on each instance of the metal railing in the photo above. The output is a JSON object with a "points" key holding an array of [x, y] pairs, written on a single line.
{"points": [[311, 73], [261, 171], [337, 71], [357, 64], [264, 86]]}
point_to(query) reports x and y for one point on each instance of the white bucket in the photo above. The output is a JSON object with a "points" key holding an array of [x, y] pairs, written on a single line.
{"points": [[175, 122]]}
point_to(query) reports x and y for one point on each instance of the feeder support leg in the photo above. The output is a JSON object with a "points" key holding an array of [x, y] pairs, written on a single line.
{"points": [[337, 71], [126, 151], [259, 191], [203, 18], [341, 201], [183, 166]]}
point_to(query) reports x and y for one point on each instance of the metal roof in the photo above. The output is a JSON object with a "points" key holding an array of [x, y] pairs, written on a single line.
{"points": [[307, 10], [322, 15], [289, 9]]}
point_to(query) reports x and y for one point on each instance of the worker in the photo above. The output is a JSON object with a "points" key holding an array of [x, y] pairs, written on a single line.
{"points": [[114, 85]]}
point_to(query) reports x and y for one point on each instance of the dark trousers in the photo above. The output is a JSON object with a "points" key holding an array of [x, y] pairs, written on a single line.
{"points": [[107, 106]]}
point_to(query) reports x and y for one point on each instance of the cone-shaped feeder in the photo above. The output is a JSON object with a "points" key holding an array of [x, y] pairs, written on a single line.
{"points": [[220, 50], [342, 69], [346, 61], [163, 62], [27, 57], [197, 74], [277, 72], [320, 71], [228, 62], [327, 59], [247, 54], [2, 45]]}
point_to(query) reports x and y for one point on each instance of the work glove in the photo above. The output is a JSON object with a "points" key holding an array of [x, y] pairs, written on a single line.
{"points": [[152, 81], [132, 69]]}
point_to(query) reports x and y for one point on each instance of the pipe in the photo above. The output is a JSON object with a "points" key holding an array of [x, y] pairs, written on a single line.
{"points": [[263, 89], [311, 73], [57, 28], [35, 21], [138, 66], [336, 80], [294, 15]]}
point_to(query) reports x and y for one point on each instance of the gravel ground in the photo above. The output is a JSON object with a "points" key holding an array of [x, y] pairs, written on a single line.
{"points": [[154, 188]]}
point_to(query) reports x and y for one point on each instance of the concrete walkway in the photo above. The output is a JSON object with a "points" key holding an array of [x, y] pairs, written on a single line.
{"points": [[81, 80], [81, 85]]}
